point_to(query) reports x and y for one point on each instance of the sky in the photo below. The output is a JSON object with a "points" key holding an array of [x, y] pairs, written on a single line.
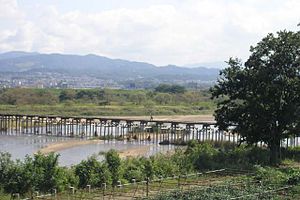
{"points": [[160, 32]]}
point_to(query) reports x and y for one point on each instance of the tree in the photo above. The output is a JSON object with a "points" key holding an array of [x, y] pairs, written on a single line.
{"points": [[91, 172], [149, 107], [163, 98], [165, 88], [261, 99], [5, 164], [148, 168], [113, 161], [138, 98], [66, 95]]}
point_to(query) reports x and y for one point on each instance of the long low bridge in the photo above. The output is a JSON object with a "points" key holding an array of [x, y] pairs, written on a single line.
{"points": [[157, 129]]}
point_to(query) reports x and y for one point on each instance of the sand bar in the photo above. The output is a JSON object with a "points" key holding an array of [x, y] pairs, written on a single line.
{"points": [[134, 152], [59, 146]]}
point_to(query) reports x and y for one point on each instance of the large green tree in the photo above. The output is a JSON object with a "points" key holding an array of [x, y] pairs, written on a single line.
{"points": [[260, 100]]}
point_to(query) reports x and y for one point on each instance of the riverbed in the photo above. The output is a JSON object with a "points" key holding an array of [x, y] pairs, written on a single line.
{"points": [[21, 145]]}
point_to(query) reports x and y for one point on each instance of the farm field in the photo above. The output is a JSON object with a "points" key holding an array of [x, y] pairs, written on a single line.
{"points": [[223, 183]]}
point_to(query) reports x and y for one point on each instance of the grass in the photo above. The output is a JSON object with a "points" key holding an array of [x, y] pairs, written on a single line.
{"points": [[103, 102], [4, 196], [110, 110]]}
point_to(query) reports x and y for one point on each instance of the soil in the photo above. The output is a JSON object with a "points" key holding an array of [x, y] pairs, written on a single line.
{"points": [[134, 152], [175, 118]]}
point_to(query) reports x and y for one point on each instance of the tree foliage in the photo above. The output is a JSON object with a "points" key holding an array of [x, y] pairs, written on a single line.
{"points": [[262, 98], [42, 172], [38, 97], [165, 88], [114, 163], [92, 172], [37, 173]]}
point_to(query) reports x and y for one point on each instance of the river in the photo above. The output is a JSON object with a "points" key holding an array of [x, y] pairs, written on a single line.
{"points": [[21, 145]]}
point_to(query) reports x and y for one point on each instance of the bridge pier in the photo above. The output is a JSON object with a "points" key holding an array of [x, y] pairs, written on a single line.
{"points": [[154, 131]]}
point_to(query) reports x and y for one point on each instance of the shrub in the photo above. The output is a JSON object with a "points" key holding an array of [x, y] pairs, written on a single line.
{"points": [[291, 153], [46, 171], [209, 155], [293, 176], [163, 165], [67, 177], [114, 165], [5, 165], [92, 172], [202, 156], [270, 175], [40, 172], [133, 169]]}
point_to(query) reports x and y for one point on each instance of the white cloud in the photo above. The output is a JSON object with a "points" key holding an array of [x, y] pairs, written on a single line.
{"points": [[184, 32], [9, 9]]}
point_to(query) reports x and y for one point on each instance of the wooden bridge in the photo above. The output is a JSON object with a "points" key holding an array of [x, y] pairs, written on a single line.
{"points": [[157, 130], [123, 128]]}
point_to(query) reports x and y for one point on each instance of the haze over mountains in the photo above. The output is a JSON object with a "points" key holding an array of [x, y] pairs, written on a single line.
{"points": [[102, 68]]}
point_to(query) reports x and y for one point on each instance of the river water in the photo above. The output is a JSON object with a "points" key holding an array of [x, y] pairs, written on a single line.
{"points": [[21, 145]]}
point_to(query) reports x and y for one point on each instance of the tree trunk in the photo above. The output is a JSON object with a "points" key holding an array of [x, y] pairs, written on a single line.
{"points": [[274, 152]]}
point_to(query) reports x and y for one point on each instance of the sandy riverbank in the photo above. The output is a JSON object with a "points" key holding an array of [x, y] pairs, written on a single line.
{"points": [[59, 146], [134, 152], [55, 147]]}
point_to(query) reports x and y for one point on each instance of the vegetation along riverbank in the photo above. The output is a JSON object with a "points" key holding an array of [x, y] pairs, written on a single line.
{"points": [[43, 174], [105, 102]]}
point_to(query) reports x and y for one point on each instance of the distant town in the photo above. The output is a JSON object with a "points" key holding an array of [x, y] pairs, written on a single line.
{"points": [[34, 70], [52, 80], [59, 80]]}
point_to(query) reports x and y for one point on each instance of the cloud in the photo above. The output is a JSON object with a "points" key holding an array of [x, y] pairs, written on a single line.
{"points": [[183, 32], [9, 9]]}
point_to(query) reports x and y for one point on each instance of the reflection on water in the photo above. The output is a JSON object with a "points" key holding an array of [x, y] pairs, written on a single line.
{"points": [[21, 145]]}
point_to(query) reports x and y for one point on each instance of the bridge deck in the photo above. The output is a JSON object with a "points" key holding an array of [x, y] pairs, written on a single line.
{"points": [[184, 119]]}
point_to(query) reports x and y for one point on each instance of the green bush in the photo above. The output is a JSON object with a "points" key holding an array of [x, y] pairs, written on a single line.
{"points": [[208, 155], [67, 177], [293, 176], [203, 156], [163, 165], [42, 173], [291, 153], [5, 166], [268, 175], [133, 169], [113, 161], [92, 172], [37, 173]]}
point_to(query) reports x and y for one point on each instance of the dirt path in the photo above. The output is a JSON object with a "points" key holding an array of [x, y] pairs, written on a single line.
{"points": [[178, 118]]}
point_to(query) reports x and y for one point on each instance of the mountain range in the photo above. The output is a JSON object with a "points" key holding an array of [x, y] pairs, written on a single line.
{"points": [[33, 69], [100, 67]]}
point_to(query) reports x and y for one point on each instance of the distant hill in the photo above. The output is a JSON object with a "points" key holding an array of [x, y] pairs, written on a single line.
{"points": [[219, 65], [100, 67], [16, 54]]}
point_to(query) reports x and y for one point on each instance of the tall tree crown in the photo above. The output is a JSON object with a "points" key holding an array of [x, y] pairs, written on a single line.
{"points": [[261, 98]]}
